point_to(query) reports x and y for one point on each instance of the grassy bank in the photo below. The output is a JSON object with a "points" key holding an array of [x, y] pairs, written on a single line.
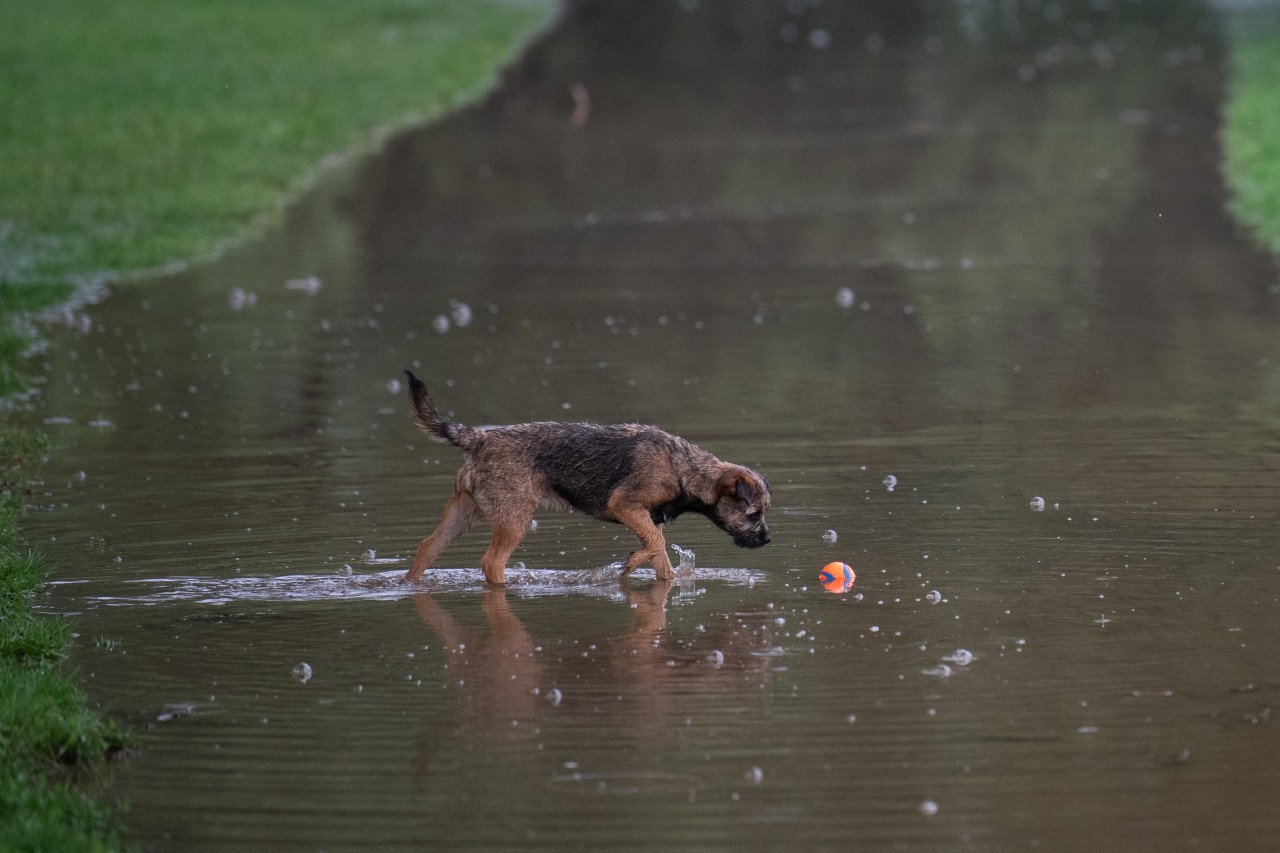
{"points": [[1251, 125], [143, 133], [47, 733]]}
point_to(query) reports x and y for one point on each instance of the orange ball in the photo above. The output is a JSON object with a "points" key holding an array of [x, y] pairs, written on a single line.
{"points": [[837, 577]]}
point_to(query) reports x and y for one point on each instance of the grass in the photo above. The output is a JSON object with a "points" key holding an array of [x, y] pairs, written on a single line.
{"points": [[47, 733], [1251, 126], [135, 135], [138, 133]]}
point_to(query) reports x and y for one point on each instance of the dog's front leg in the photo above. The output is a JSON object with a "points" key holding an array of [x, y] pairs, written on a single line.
{"points": [[653, 546]]}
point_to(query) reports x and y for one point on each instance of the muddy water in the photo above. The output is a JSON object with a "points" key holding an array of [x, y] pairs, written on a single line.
{"points": [[984, 254]]}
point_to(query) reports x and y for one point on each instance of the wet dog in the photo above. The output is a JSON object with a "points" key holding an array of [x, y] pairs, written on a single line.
{"points": [[638, 476]]}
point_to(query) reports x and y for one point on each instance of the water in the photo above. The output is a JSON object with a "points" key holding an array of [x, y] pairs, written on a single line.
{"points": [[985, 255]]}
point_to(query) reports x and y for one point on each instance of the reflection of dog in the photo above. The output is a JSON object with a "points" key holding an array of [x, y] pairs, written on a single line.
{"points": [[635, 475]]}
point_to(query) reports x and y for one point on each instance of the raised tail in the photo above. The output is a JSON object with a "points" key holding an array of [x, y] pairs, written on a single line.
{"points": [[429, 418]]}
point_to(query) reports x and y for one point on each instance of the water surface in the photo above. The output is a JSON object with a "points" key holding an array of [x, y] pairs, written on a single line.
{"points": [[983, 253]]}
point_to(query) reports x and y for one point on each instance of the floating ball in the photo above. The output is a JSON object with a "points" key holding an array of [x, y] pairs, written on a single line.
{"points": [[837, 577]]}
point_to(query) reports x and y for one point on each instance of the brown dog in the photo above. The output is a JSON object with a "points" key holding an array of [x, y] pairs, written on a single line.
{"points": [[634, 475]]}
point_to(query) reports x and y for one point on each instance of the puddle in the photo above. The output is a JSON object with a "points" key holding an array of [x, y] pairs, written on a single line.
{"points": [[959, 282]]}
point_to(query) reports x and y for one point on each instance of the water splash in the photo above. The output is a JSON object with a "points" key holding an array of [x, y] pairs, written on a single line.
{"points": [[388, 586]]}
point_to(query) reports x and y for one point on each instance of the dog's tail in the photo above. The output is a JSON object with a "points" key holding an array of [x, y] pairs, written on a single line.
{"points": [[429, 418]]}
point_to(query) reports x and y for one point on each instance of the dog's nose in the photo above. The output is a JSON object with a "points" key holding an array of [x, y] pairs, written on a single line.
{"points": [[766, 538]]}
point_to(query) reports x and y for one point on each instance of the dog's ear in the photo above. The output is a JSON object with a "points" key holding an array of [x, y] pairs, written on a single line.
{"points": [[738, 483]]}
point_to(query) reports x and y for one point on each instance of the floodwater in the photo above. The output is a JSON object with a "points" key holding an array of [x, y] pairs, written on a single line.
{"points": [[978, 248]]}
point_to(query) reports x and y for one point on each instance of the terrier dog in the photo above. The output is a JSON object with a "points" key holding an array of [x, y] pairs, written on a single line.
{"points": [[638, 476]]}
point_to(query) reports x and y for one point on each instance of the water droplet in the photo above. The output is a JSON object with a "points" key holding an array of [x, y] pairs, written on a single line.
{"points": [[933, 597], [755, 775], [928, 807], [302, 672], [1037, 504], [554, 696], [844, 297], [830, 536], [440, 324], [716, 658], [890, 482]]}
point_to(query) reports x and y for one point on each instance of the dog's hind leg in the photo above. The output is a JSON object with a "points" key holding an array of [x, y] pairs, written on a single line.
{"points": [[506, 536], [459, 514]]}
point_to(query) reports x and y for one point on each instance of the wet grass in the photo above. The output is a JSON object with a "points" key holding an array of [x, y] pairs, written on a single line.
{"points": [[48, 734], [142, 134], [1251, 128]]}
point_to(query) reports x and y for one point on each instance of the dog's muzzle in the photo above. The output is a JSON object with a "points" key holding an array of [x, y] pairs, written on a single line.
{"points": [[752, 538]]}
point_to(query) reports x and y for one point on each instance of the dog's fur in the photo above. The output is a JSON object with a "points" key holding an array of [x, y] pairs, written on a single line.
{"points": [[638, 476]]}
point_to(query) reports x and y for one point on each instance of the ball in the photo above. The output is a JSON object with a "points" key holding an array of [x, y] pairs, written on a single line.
{"points": [[837, 577]]}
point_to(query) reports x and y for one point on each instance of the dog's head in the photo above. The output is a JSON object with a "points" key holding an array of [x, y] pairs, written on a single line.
{"points": [[742, 497]]}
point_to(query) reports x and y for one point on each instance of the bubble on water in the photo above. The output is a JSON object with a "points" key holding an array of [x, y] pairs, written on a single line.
{"points": [[716, 658], [890, 482], [554, 696], [518, 566], [440, 324], [851, 719], [346, 571], [240, 299], [929, 808], [755, 775], [933, 597], [394, 386], [1037, 503], [460, 312], [302, 672], [845, 298], [310, 285], [961, 657], [830, 536], [819, 39], [939, 671]]}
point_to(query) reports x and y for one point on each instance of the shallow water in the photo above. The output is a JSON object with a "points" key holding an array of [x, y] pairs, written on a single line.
{"points": [[986, 256]]}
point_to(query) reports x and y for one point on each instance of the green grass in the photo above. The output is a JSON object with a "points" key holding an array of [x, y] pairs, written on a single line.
{"points": [[1251, 126], [48, 735], [137, 133], [140, 133]]}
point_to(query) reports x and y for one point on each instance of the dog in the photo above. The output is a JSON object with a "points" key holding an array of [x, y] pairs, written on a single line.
{"points": [[639, 476]]}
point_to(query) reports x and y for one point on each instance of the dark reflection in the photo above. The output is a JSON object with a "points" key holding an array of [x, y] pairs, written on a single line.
{"points": [[506, 683]]}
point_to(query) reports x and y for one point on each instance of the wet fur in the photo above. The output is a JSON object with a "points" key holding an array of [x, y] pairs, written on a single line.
{"points": [[631, 474]]}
